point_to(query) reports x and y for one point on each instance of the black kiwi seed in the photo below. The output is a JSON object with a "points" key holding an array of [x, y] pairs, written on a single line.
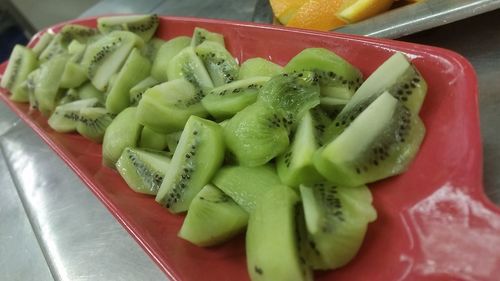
{"points": [[258, 270]]}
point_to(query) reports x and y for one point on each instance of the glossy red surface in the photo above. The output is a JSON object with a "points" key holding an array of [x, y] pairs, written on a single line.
{"points": [[434, 223]]}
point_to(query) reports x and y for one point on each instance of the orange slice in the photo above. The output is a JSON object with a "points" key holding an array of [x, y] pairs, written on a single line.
{"points": [[285, 9], [358, 10], [317, 15]]}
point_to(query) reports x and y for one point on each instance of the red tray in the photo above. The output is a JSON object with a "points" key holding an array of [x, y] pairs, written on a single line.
{"points": [[434, 222]]}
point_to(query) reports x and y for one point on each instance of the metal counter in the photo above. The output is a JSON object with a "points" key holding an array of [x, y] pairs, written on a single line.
{"points": [[53, 228]]}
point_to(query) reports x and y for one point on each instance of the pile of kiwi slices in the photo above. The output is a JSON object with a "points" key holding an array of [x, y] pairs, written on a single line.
{"points": [[281, 152]]}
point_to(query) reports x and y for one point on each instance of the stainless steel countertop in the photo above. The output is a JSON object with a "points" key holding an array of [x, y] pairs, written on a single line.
{"points": [[55, 229]]}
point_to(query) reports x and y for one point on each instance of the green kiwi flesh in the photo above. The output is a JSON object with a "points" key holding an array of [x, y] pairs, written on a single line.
{"points": [[151, 48], [22, 62], [143, 170], [379, 143], [123, 132], [186, 64], [54, 48], [88, 90], [271, 239], [212, 218], [220, 64], [166, 52], [65, 117], [138, 89], [46, 89], [295, 166], [135, 69], [80, 33], [173, 140], [42, 43], [259, 67], [245, 185], [93, 123], [198, 156], [73, 76], [201, 35], [336, 221], [225, 101], [337, 77], [143, 25], [165, 108], [256, 134], [152, 140]]}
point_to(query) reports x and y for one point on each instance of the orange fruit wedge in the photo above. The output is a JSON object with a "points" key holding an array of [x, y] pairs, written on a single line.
{"points": [[358, 10], [317, 15], [285, 9]]}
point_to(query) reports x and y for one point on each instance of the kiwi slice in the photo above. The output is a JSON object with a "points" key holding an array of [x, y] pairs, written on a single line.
{"points": [[336, 220], [174, 101], [93, 123], [31, 82], [22, 61], [173, 140], [47, 83], [220, 64], [332, 105], [143, 170], [198, 156], [186, 64], [42, 43], [272, 246], [245, 185], [257, 134], [54, 48], [66, 116], [143, 25], [80, 33], [73, 76], [212, 218], [166, 52], [201, 35], [88, 90], [70, 95], [337, 77], [75, 47], [20, 93], [152, 140], [227, 100], [136, 92], [151, 48], [379, 143], [135, 69], [259, 67], [123, 132], [295, 166]]}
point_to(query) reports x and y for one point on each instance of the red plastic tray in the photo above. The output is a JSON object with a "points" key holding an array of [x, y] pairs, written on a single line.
{"points": [[434, 222]]}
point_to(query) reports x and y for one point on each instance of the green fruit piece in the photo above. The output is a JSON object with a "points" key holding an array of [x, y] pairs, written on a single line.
{"points": [[73, 76], [166, 52], [80, 33], [337, 77], [88, 90], [22, 61], [332, 105], [123, 132], [198, 156], [336, 220], [42, 43], [151, 48], [143, 170], [135, 69], [135, 94], [31, 82], [152, 140], [66, 116], [70, 95], [201, 35], [296, 166], [220, 64], [53, 49], [75, 47], [174, 101], [272, 245], [379, 143], [245, 185], [256, 134], [143, 25], [186, 64], [173, 140], [227, 100], [20, 93], [255, 67], [47, 83], [93, 123], [212, 218]]}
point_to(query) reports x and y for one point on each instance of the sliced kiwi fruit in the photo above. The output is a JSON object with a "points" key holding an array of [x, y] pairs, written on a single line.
{"points": [[337, 77], [173, 140], [201, 35], [186, 64], [47, 83], [295, 166], [143, 170], [135, 69], [379, 143], [80, 33], [42, 43], [143, 25], [166, 52], [196, 159], [151, 48], [256, 134], [165, 108], [54, 48], [245, 185], [136, 92], [66, 116], [259, 67], [22, 61], [212, 218], [272, 246], [336, 220], [31, 82], [333, 105], [20, 93], [70, 95], [88, 90], [123, 132], [227, 100], [75, 47], [220, 64], [74, 75], [93, 123], [152, 140]]}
